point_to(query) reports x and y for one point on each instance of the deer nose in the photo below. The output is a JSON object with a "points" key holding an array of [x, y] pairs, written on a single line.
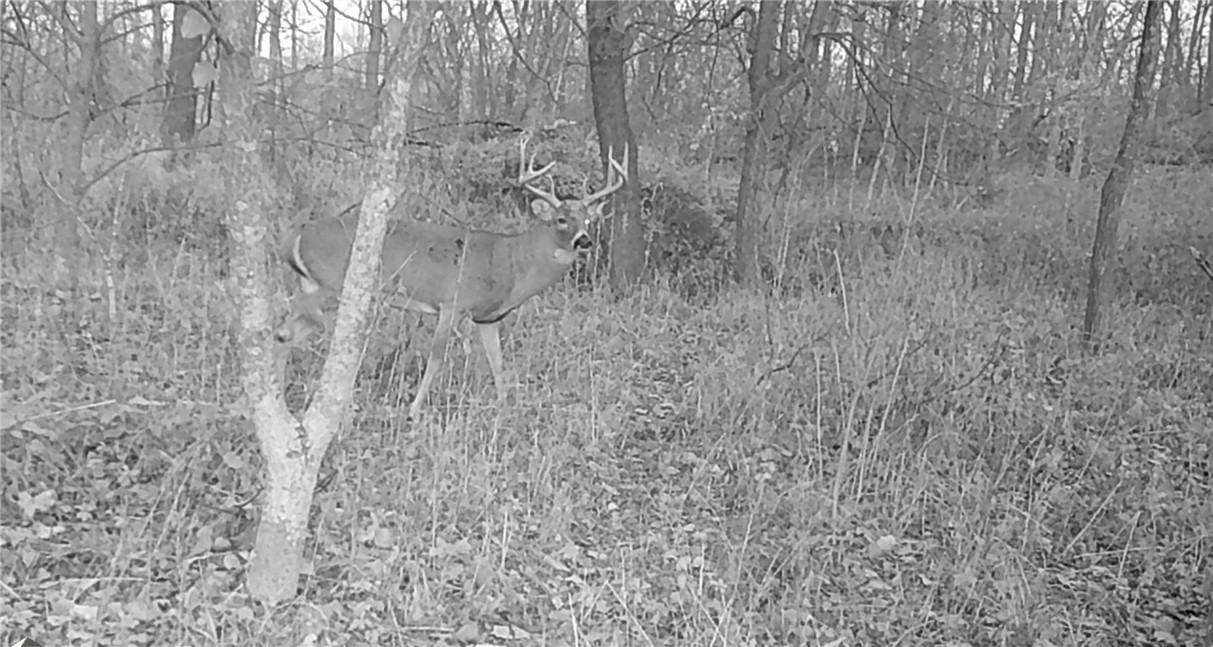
{"points": [[583, 242]]}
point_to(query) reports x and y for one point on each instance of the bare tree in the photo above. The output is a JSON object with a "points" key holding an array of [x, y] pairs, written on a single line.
{"points": [[1099, 290], [607, 44]]}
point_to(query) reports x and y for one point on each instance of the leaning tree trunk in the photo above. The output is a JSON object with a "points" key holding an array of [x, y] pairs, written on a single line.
{"points": [[1099, 290], [607, 48]]}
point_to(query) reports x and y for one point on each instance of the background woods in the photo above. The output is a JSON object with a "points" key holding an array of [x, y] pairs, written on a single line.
{"points": [[822, 379]]}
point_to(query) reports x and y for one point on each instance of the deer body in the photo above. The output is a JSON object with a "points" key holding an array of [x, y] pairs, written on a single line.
{"points": [[433, 267], [447, 271]]}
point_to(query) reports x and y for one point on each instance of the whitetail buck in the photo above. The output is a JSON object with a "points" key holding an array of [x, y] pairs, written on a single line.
{"points": [[450, 271]]}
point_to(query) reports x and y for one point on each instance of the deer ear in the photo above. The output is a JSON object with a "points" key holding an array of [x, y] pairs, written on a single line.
{"points": [[543, 209]]}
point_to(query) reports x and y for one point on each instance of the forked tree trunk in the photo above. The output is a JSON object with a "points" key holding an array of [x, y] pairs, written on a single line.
{"points": [[293, 449], [1099, 290], [607, 45]]}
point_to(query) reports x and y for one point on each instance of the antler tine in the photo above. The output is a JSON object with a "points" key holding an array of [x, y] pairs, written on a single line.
{"points": [[617, 176], [528, 174]]}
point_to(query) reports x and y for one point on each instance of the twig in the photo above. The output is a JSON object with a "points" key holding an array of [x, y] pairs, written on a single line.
{"points": [[1201, 261]]}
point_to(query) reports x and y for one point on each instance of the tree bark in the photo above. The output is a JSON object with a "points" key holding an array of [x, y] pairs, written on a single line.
{"points": [[607, 48], [178, 123], [746, 267], [1099, 290]]}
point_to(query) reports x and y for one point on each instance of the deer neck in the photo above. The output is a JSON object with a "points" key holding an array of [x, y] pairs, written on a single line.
{"points": [[539, 261]]}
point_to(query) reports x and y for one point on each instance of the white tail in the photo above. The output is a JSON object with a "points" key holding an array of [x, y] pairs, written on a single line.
{"points": [[450, 271]]}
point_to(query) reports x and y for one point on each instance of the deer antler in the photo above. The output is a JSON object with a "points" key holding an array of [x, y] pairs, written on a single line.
{"points": [[527, 173], [617, 176]]}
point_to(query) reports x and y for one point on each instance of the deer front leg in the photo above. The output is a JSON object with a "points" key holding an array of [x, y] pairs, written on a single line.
{"points": [[490, 338], [437, 354]]}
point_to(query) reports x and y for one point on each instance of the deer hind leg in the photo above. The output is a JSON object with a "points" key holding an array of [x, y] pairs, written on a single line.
{"points": [[442, 333], [490, 338]]}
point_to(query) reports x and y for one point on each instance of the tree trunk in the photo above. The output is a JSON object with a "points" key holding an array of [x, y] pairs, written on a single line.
{"points": [[274, 19], [294, 35], [1046, 17], [1208, 84], [1172, 62], [249, 229], [607, 45], [857, 109], [1093, 35], [1191, 69], [67, 234], [482, 69], [179, 112], [893, 89], [1055, 92], [1023, 46], [375, 26], [746, 267], [158, 48], [1111, 198], [330, 30]]}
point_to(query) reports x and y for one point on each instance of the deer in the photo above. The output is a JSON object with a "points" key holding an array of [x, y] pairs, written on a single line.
{"points": [[450, 271]]}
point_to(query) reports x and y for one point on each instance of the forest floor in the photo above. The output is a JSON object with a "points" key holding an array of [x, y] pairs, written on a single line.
{"points": [[909, 446]]}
